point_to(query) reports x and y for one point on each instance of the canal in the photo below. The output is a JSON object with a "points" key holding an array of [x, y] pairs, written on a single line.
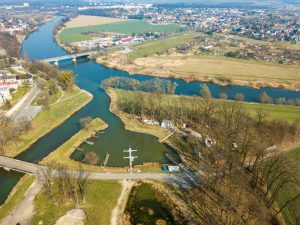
{"points": [[89, 74]]}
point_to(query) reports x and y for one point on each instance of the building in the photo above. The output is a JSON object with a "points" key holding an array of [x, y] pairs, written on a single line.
{"points": [[4, 95], [167, 124], [10, 84]]}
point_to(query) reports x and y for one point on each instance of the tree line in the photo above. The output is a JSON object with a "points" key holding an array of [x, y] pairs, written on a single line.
{"points": [[241, 180], [153, 85]]}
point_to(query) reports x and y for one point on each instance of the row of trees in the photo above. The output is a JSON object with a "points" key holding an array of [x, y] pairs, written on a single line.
{"points": [[62, 184], [239, 185], [154, 85]]}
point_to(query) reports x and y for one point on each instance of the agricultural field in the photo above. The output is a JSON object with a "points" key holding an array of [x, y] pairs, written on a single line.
{"points": [[210, 67], [154, 47], [288, 113], [82, 21], [129, 27]]}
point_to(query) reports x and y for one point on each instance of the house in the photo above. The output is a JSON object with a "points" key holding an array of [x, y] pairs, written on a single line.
{"points": [[11, 84], [167, 124], [4, 95]]}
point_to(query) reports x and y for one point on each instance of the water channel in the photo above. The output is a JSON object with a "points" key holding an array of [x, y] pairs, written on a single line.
{"points": [[115, 139]]}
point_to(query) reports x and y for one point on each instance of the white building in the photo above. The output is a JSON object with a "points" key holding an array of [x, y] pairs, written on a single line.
{"points": [[167, 124], [4, 95]]}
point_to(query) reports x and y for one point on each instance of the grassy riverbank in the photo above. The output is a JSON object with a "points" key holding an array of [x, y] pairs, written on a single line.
{"points": [[49, 118], [162, 59], [289, 113], [101, 197], [63, 153], [16, 195]]}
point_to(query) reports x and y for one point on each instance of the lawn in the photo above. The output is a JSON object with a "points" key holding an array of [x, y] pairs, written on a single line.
{"points": [[289, 113], [48, 119], [151, 48], [127, 27], [101, 198], [18, 94]]}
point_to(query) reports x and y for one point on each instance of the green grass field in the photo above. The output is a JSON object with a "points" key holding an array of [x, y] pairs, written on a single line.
{"points": [[151, 48], [127, 27], [289, 113], [101, 198]]}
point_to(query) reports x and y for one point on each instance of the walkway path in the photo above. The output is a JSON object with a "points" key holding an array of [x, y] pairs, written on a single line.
{"points": [[117, 212], [23, 214], [23, 110]]}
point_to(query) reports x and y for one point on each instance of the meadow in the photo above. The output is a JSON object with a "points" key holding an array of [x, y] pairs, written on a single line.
{"points": [[101, 197], [129, 27]]}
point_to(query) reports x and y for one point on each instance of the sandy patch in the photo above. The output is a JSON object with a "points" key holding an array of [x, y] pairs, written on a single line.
{"points": [[82, 21]]}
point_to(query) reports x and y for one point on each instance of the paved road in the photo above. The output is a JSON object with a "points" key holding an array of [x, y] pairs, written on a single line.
{"points": [[23, 110]]}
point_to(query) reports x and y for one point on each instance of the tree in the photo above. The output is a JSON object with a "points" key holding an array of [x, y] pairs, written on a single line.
{"points": [[85, 121], [265, 98], [223, 95], [91, 158], [239, 97], [205, 92], [66, 80]]}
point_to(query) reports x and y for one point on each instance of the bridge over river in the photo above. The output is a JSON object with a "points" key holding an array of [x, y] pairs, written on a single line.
{"points": [[74, 57]]}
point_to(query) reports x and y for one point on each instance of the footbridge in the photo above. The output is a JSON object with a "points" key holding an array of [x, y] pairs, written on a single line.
{"points": [[74, 57]]}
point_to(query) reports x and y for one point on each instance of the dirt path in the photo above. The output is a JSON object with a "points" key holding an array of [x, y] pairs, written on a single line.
{"points": [[24, 212], [117, 212]]}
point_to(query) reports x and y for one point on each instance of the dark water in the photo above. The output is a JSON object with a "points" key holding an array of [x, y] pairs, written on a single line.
{"points": [[115, 139], [145, 208]]}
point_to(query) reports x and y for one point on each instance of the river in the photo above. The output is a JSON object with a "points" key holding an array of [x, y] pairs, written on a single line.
{"points": [[115, 139]]}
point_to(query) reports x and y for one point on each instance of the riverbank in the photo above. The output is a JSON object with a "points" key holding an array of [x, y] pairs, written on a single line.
{"points": [[16, 195], [185, 67], [62, 154], [48, 119]]}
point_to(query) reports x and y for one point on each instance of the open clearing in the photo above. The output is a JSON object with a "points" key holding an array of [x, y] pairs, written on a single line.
{"points": [[101, 198], [82, 21], [126, 27], [224, 68]]}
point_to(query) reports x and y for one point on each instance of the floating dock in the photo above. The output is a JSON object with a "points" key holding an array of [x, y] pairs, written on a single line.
{"points": [[106, 159], [89, 142]]}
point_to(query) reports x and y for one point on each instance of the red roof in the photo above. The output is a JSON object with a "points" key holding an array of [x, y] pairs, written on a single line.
{"points": [[127, 40], [8, 83]]}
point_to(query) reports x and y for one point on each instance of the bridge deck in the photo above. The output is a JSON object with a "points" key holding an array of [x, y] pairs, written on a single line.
{"points": [[70, 56], [18, 165]]}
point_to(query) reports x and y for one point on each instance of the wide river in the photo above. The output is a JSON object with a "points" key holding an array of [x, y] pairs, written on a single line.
{"points": [[115, 139]]}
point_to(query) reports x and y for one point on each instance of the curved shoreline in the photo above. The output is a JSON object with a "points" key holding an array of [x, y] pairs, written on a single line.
{"points": [[57, 124]]}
